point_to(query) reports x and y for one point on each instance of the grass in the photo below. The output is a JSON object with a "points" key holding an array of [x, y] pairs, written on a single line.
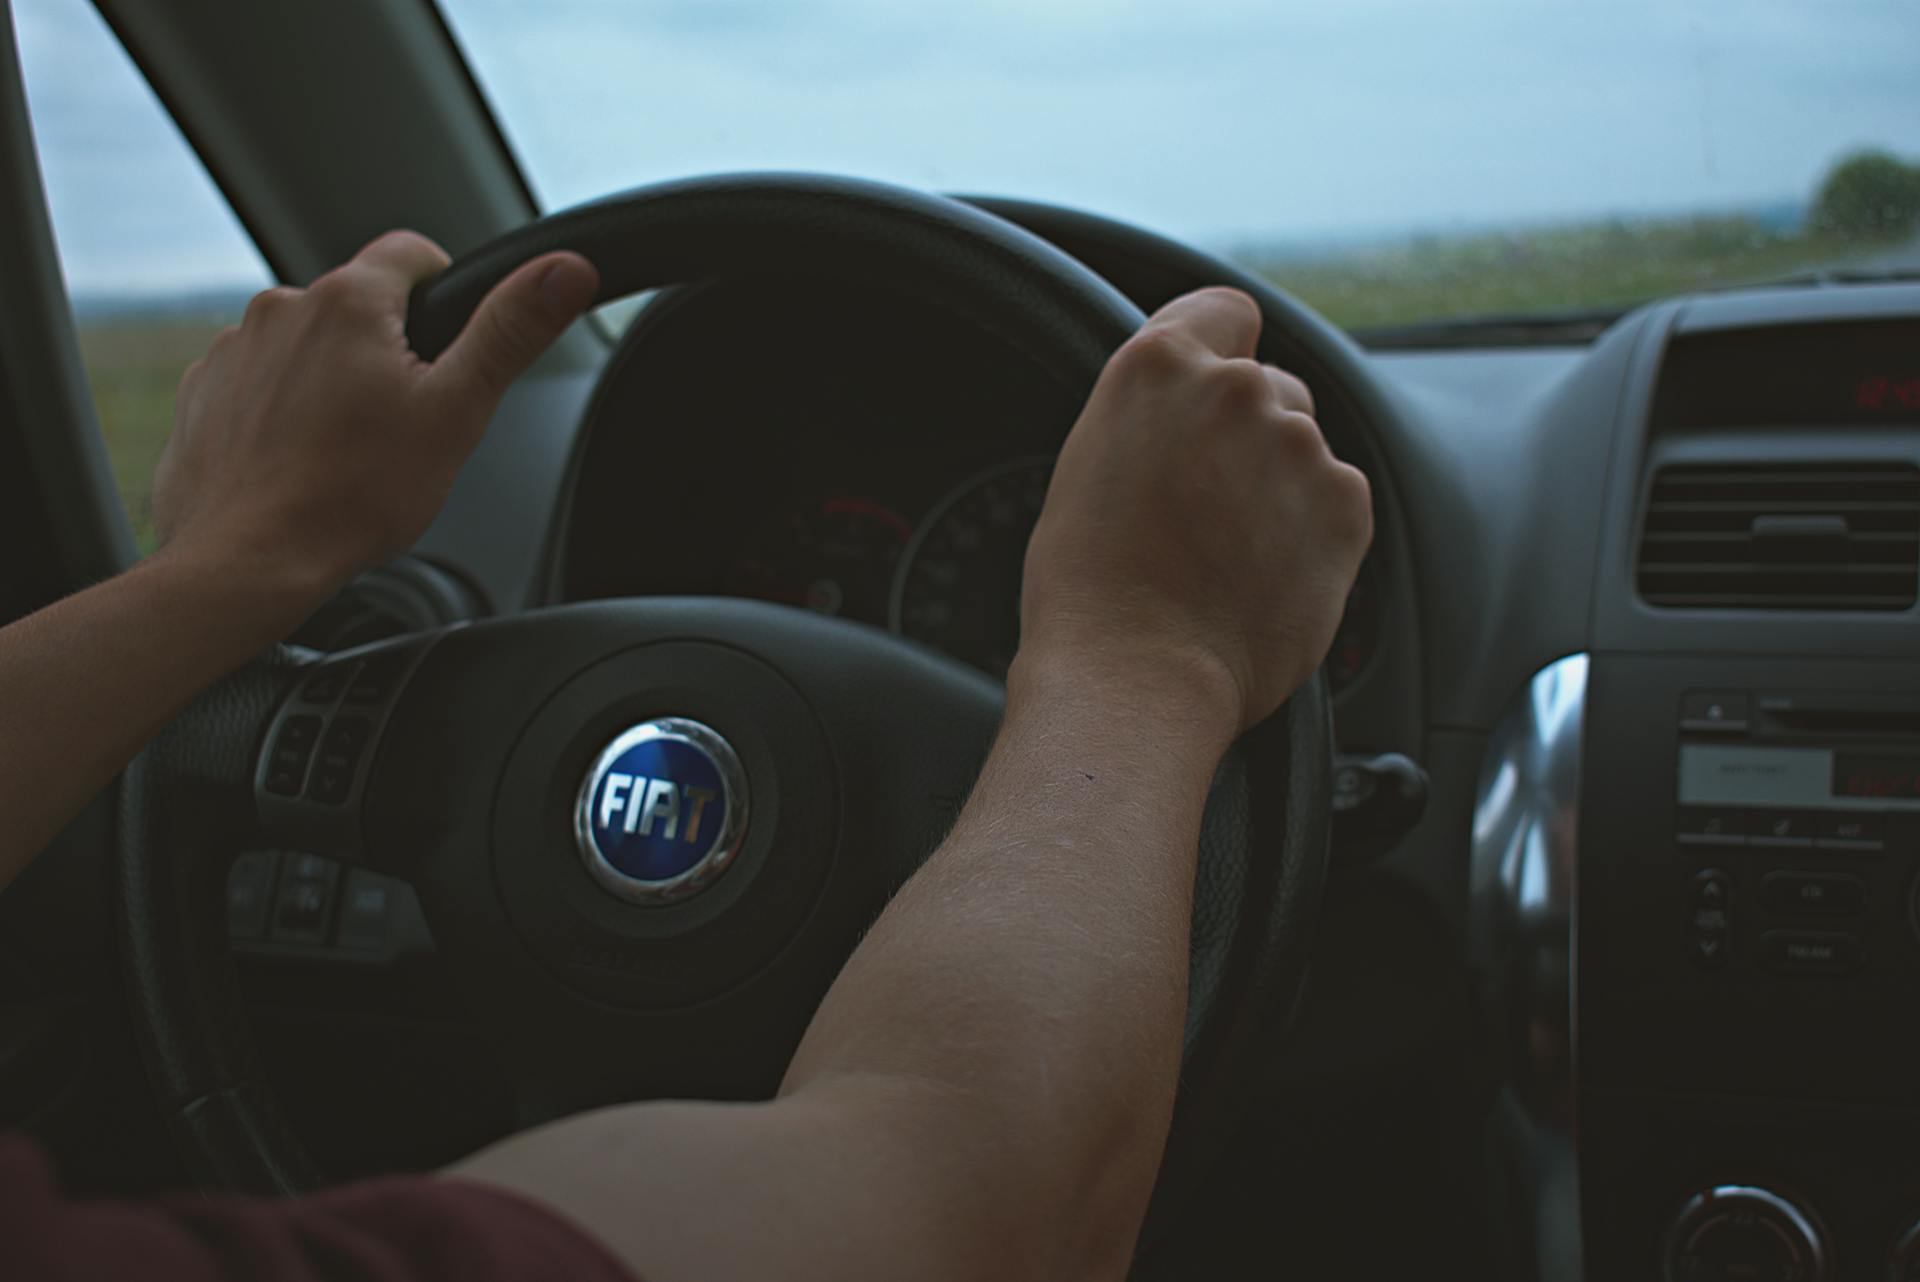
{"points": [[1574, 267], [134, 363]]}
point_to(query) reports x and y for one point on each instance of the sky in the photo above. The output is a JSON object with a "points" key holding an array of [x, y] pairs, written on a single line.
{"points": [[1224, 122]]}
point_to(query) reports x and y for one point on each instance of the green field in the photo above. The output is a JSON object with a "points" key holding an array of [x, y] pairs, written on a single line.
{"points": [[1576, 267], [134, 363]]}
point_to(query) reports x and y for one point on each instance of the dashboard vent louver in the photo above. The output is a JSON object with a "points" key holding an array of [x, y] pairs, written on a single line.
{"points": [[1843, 536]]}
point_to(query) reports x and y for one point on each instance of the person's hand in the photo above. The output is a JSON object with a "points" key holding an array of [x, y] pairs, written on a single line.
{"points": [[1197, 525], [311, 443]]}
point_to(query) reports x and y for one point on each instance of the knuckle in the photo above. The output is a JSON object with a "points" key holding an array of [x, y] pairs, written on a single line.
{"points": [[332, 289], [1300, 431], [1241, 387], [1293, 388], [404, 241], [344, 289], [268, 301], [1352, 496], [1152, 353]]}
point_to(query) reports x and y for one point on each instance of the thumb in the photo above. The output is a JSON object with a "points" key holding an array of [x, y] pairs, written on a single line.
{"points": [[517, 320]]}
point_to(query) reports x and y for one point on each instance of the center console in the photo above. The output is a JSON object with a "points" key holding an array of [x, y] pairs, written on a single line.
{"points": [[1717, 830], [1747, 988]]}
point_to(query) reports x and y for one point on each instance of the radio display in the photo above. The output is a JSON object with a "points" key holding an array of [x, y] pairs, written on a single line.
{"points": [[1728, 774], [1860, 774]]}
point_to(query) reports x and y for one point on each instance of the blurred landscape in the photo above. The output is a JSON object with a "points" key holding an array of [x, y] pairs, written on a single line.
{"points": [[1865, 217]]}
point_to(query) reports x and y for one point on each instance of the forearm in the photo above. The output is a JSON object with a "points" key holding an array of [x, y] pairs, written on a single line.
{"points": [[1032, 977], [87, 681], [985, 1090]]}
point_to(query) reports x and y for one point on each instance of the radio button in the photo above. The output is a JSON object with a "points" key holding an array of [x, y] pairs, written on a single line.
{"points": [[1708, 943], [1814, 893], [1850, 830], [1790, 829], [1711, 826], [1793, 952]]}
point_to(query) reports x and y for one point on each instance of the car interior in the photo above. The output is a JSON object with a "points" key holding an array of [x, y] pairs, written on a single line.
{"points": [[1585, 943]]}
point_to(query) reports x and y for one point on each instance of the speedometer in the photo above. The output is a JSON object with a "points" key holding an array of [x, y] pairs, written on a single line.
{"points": [[958, 585]]}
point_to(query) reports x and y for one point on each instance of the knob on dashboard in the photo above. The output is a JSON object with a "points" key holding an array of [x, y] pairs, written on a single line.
{"points": [[1738, 1231]]}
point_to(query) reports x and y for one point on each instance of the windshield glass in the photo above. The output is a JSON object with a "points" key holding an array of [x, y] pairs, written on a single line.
{"points": [[1392, 161]]}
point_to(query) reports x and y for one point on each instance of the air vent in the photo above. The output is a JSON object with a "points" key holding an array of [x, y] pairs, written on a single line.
{"points": [[1783, 537]]}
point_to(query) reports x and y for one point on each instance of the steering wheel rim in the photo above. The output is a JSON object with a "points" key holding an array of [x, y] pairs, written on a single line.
{"points": [[191, 801]]}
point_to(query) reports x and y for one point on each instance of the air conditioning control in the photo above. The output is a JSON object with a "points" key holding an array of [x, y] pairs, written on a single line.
{"points": [[1738, 1231]]}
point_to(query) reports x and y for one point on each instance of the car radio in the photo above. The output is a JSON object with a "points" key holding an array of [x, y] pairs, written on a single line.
{"points": [[1813, 780], [1747, 968]]}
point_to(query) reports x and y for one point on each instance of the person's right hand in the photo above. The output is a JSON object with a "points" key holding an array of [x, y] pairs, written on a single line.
{"points": [[1196, 522]]}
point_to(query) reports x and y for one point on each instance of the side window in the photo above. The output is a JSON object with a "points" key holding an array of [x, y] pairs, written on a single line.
{"points": [[155, 260]]}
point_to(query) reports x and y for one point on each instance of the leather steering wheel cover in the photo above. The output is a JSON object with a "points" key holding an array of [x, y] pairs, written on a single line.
{"points": [[186, 807], [995, 273], [1261, 897]]}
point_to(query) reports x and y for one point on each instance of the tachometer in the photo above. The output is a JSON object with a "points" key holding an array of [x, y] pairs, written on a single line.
{"points": [[958, 585], [835, 556]]}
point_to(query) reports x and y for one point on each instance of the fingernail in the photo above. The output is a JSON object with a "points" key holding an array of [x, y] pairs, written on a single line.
{"points": [[568, 286]]}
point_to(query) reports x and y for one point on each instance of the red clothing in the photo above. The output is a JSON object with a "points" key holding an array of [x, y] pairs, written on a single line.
{"points": [[405, 1229]]}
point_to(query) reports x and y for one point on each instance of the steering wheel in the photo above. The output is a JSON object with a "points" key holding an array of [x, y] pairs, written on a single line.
{"points": [[671, 936]]}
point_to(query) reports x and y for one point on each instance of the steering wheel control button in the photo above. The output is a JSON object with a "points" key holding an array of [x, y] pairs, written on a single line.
{"points": [[1850, 830], [292, 751], [1709, 826], [1745, 1233], [1792, 894], [1714, 712], [662, 812], [1781, 829], [340, 753], [1794, 952], [305, 898], [365, 906]]}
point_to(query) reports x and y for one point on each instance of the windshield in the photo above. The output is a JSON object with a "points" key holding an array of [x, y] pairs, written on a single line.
{"points": [[1392, 161]]}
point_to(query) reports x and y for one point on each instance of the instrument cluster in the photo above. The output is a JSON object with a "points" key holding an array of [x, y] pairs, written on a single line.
{"points": [[948, 575]]}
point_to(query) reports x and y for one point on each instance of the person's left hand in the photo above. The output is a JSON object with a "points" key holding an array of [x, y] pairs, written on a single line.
{"points": [[311, 443]]}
